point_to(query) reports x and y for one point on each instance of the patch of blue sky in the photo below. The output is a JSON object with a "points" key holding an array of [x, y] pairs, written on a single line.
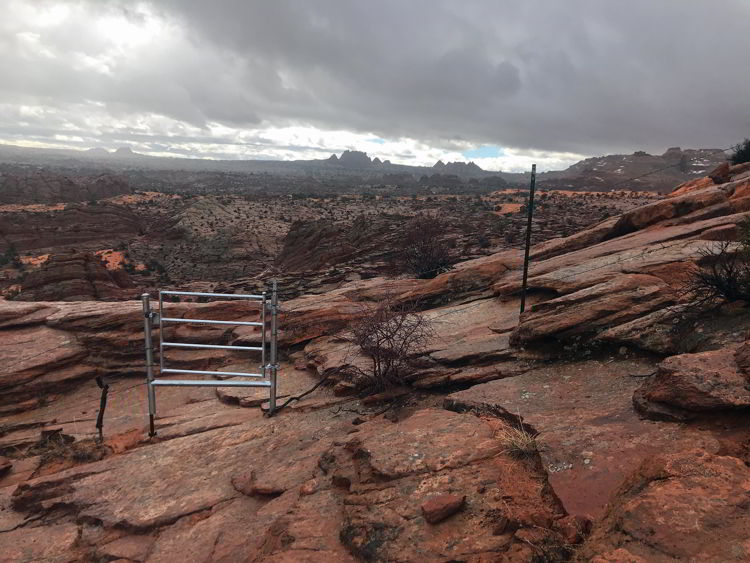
{"points": [[377, 140], [485, 151]]}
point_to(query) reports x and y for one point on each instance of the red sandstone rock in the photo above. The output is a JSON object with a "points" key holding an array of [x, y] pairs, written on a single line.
{"points": [[691, 186], [437, 508], [722, 232], [590, 437], [720, 174], [742, 358], [574, 528], [76, 277], [707, 381], [596, 308], [690, 506], [669, 208]]}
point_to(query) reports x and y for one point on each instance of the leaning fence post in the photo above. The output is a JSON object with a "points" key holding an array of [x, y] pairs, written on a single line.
{"points": [[530, 211], [274, 335], [145, 299]]}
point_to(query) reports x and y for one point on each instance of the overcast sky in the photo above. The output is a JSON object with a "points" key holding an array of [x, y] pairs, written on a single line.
{"points": [[503, 83]]}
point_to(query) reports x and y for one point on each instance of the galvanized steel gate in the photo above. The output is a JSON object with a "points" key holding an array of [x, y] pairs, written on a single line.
{"points": [[269, 371]]}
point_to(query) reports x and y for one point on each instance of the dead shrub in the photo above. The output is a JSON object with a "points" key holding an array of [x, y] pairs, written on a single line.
{"points": [[723, 275], [54, 446], [391, 336], [424, 252]]}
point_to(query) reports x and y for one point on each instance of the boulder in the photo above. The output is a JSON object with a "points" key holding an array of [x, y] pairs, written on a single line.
{"points": [[668, 208], [594, 309], [694, 383], [439, 507], [720, 174]]}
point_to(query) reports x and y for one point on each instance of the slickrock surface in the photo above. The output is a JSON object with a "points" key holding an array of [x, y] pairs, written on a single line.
{"points": [[590, 436], [684, 507], [246, 493], [639, 417]]}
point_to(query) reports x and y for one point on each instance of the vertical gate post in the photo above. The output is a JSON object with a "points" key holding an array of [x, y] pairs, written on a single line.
{"points": [[274, 335], [263, 335], [530, 211], [145, 299]]}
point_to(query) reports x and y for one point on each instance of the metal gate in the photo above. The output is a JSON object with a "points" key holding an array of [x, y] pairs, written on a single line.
{"points": [[268, 372]]}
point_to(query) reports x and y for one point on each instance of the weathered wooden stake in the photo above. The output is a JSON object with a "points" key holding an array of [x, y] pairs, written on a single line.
{"points": [[530, 211]]}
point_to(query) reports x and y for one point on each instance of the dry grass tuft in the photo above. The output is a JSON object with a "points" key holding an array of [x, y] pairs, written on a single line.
{"points": [[519, 442]]}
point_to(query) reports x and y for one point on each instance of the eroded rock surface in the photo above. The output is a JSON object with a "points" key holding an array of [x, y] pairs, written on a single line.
{"points": [[366, 503], [682, 507], [590, 436]]}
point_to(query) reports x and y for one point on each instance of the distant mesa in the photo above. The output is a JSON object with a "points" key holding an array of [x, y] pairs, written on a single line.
{"points": [[458, 168], [355, 159], [124, 151], [98, 151]]}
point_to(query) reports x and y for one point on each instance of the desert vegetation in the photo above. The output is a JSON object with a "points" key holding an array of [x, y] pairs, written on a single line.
{"points": [[741, 152], [722, 274], [390, 336], [424, 252]]}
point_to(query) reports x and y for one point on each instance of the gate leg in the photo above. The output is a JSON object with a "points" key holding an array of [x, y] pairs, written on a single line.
{"points": [[145, 299], [274, 336]]}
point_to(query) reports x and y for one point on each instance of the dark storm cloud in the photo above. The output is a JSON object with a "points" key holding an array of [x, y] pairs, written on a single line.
{"points": [[583, 76]]}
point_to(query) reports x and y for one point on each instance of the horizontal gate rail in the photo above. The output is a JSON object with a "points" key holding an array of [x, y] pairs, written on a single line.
{"points": [[269, 371], [228, 295], [204, 383], [219, 373], [208, 321], [211, 346]]}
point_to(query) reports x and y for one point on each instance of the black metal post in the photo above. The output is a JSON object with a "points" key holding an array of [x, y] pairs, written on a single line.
{"points": [[530, 212], [102, 405]]}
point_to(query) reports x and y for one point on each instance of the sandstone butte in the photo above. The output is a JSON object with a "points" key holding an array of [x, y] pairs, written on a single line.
{"points": [[642, 420]]}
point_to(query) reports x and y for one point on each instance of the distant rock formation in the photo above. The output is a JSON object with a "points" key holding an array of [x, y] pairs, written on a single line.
{"points": [[354, 159], [47, 187], [640, 170], [76, 277], [458, 168]]}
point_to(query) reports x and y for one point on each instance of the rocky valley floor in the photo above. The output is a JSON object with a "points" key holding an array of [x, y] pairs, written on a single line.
{"points": [[639, 410]]}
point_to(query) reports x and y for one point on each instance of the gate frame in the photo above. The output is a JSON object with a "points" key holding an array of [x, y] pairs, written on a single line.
{"points": [[269, 373]]}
